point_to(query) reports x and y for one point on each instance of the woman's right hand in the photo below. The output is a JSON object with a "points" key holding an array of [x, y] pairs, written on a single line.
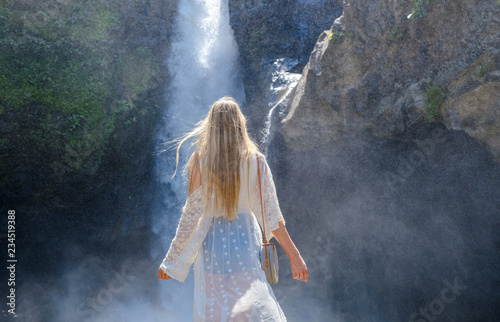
{"points": [[299, 268], [297, 264]]}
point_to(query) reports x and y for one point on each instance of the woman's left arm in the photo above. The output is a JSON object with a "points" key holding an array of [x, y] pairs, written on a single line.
{"points": [[187, 240]]}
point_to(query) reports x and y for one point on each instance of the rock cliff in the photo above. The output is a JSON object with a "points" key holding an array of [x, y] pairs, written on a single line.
{"points": [[378, 154], [82, 86], [386, 163], [268, 30], [385, 66]]}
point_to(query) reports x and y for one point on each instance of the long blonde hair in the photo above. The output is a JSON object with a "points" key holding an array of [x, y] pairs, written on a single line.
{"points": [[222, 144]]}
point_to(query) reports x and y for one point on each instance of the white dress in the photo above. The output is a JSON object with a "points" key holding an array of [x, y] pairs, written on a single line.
{"points": [[229, 284]]}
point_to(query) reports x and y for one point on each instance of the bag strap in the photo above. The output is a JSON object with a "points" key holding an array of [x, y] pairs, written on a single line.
{"points": [[262, 210]]}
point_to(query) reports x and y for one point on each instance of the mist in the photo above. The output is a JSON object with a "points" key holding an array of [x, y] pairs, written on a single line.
{"points": [[392, 229]]}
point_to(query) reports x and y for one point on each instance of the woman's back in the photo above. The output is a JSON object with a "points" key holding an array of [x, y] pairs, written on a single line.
{"points": [[219, 226], [248, 174], [228, 274]]}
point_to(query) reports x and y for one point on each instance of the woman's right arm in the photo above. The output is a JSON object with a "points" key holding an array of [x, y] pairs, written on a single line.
{"points": [[297, 264], [274, 219]]}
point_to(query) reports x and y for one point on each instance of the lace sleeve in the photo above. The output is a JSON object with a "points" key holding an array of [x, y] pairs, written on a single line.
{"points": [[272, 211], [189, 235]]}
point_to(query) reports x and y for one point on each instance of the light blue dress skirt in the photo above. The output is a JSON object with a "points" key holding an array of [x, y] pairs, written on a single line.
{"points": [[229, 282]]}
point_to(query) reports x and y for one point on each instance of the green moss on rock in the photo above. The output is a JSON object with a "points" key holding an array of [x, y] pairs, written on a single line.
{"points": [[434, 99], [65, 82]]}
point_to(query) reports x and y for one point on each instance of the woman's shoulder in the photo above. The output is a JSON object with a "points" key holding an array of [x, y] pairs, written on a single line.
{"points": [[257, 159], [252, 160], [258, 155]]}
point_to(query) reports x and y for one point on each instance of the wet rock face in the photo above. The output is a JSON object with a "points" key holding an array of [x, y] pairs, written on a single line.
{"points": [[473, 104], [269, 30], [386, 155], [104, 192], [378, 70], [478, 113], [383, 224]]}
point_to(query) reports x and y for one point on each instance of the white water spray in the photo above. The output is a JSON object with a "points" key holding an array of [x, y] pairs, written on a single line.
{"points": [[283, 81], [203, 65]]}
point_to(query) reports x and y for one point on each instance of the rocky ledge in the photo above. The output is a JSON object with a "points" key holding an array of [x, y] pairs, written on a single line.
{"points": [[386, 66]]}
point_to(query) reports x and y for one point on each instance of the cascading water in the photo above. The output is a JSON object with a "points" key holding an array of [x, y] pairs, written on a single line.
{"points": [[283, 81], [203, 64]]}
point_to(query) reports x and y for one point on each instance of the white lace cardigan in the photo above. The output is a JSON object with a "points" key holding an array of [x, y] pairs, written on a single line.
{"points": [[193, 224]]}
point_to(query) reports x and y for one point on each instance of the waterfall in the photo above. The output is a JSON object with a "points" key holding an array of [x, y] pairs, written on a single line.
{"points": [[282, 82], [203, 66]]}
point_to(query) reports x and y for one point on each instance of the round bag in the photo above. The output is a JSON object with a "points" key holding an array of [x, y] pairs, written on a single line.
{"points": [[268, 252]]}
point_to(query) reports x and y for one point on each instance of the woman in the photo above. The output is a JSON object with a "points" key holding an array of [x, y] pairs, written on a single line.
{"points": [[219, 226]]}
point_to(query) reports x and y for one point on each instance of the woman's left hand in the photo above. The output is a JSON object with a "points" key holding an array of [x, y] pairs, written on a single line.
{"points": [[162, 275]]}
